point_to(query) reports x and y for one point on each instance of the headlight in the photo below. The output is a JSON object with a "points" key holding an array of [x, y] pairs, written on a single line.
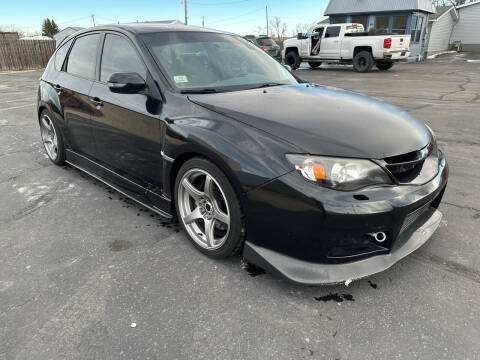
{"points": [[339, 173]]}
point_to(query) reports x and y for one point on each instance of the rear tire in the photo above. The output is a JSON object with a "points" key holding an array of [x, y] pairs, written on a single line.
{"points": [[52, 139], [210, 214], [384, 65], [314, 65], [363, 61], [293, 60]]}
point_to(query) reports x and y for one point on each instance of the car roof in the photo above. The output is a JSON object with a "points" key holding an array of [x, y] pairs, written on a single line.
{"points": [[144, 28], [150, 27]]}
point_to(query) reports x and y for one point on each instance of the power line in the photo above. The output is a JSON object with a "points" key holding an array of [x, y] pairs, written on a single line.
{"points": [[216, 4], [235, 17]]}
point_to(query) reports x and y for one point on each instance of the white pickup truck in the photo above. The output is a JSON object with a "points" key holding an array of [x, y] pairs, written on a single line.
{"points": [[346, 44]]}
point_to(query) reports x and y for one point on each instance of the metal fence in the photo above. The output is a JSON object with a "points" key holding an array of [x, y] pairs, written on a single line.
{"points": [[25, 54]]}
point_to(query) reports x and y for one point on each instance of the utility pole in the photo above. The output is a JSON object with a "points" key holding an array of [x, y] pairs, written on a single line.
{"points": [[203, 21], [184, 2], [266, 15], [93, 19]]}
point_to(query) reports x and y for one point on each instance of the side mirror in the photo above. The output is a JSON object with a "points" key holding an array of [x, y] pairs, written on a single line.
{"points": [[301, 36], [288, 67], [126, 83]]}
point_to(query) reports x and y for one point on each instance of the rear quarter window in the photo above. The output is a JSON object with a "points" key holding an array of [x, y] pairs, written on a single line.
{"points": [[61, 54]]}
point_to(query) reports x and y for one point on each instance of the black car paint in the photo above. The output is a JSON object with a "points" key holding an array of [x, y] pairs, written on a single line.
{"points": [[136, 143]]}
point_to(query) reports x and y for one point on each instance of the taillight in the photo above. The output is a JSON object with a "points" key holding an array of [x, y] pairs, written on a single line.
{"points": [[263, 48], [387, 43]]}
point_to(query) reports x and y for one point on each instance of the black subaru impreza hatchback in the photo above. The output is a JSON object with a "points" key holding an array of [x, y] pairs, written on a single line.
{"points": [[316, 184]]}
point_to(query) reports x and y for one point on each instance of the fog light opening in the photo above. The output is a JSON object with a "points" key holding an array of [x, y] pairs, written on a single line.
{"points": [[378, 236]]}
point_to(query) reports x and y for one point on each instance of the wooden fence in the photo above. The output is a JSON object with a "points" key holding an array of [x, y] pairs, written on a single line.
{"points": [[25, 54]]}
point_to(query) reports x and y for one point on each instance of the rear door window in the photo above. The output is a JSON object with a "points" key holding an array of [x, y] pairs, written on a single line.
{"points": [[332, 31], [83, 56], [119, 56]]}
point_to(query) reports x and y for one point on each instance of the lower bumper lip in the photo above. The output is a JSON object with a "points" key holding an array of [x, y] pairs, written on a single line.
{"points": [[308, 273]]}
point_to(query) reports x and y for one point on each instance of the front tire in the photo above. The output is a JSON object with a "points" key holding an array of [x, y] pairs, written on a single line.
{"points": [[314, 65], [363, 61], [293, 60], [208, 208], [52, 138], [384, 65]]}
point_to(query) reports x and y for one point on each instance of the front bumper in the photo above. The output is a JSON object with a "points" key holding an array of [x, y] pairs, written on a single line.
{"points": [[308, 273], [312, 235]]}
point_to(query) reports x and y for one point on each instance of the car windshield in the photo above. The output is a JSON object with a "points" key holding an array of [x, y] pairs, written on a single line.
{"points": [[212, 62]]}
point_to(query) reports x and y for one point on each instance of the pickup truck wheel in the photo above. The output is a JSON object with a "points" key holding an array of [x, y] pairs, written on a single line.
{"points": [[293, 60], [314, 65], [363, 61], [384, 65]]}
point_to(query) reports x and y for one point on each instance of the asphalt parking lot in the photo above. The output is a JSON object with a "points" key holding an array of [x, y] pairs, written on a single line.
{"points": [[87, 274]]}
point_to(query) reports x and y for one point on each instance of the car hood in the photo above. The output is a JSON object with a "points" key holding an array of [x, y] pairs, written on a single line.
{"points": [[322, 120]]}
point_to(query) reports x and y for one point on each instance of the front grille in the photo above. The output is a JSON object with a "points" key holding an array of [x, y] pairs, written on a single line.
{"points": [[414, 216], [416, 167]]}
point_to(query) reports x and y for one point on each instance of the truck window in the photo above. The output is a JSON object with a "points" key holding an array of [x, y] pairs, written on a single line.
{"points": [[332, 31]]}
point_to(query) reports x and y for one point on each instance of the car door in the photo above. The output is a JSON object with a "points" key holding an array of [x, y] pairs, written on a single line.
{"points": [[73, 86], [330, 48], [315, 42], [127, 131], [305, 46]]}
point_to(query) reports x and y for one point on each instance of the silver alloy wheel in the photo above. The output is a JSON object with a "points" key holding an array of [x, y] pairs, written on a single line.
{"points": [[205, 213], [49, 137]]}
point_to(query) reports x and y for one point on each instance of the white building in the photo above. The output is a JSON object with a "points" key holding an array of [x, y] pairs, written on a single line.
{"points": [[460, 23]]}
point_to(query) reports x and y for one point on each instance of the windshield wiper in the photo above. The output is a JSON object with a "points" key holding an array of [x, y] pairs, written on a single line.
{"points": [[270, 84], [201, 91]]}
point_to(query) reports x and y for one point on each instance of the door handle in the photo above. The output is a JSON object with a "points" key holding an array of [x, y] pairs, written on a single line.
{"points": [[97, 101], [57, 88]]}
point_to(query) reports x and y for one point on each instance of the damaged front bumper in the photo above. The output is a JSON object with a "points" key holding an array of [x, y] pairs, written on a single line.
{"points": [[313, 235], [308, 273]]}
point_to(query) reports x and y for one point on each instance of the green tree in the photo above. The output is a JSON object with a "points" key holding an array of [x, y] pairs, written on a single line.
{"points": [[49, 28], [55, 28]]}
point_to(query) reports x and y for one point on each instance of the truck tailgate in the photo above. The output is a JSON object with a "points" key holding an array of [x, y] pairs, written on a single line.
{"points": [[400, 43]]}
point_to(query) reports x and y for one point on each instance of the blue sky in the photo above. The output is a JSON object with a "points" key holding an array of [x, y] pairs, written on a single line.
{"points": [[239, 16]]}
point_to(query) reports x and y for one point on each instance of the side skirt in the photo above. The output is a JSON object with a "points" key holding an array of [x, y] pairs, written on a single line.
{"points": [[116, 182]]}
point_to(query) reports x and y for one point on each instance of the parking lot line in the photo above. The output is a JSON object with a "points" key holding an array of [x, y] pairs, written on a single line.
{"points": [[16, 107], [22, 99]]}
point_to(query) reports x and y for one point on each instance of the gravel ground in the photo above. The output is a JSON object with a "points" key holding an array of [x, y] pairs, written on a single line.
{"points": [[87, 274]]}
